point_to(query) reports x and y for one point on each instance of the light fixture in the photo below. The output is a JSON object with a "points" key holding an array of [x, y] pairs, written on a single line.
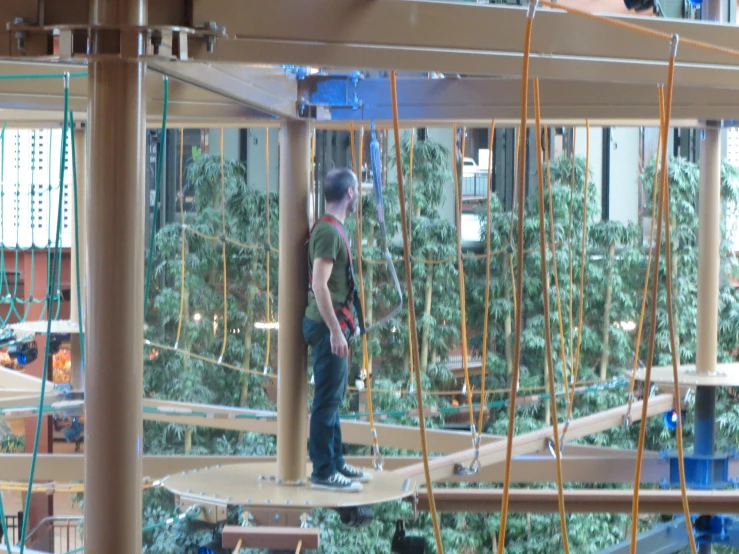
{"points": [[670, 418], [266, 325], [197, 317]]}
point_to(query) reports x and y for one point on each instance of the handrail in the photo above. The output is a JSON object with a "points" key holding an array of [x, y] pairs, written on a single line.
{"points": [[51, 520]]}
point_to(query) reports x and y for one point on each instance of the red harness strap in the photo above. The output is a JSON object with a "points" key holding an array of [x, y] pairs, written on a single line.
{"points": [[344, 312]]}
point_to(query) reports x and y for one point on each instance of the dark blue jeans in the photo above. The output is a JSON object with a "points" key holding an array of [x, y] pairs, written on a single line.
{"points": [[330, 375]]}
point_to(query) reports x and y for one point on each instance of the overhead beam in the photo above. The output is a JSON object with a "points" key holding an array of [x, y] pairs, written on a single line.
{"points": [[477, 62], [577, 468], [427, 26], [580, 501], [275, 538], [443, 468], [482, 99], [262, 88]]}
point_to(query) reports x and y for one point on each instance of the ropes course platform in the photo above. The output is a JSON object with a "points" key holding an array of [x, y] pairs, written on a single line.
{"points": [[726, 375], [40, 327], [254, 485]]}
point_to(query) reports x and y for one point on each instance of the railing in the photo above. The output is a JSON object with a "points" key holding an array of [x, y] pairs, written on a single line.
{"points": [[475, 185], [56, 534], [13, 524]]}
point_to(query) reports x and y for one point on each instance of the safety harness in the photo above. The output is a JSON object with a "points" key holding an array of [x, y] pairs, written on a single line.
{"points": [[350, 320]]}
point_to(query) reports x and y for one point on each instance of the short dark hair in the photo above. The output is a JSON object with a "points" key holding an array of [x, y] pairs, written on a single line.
{"points": [[337, 182]]}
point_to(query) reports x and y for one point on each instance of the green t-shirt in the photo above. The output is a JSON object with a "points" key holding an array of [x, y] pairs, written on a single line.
{"points": [[326, 242]]}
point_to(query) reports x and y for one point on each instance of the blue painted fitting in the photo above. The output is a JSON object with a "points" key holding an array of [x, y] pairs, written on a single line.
{"points": [[664, 483], [701, 472], [664, 455]]}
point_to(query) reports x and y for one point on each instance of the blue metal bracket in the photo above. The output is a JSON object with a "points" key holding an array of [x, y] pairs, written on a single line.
{"points": [[333, 91], [701, 472]]}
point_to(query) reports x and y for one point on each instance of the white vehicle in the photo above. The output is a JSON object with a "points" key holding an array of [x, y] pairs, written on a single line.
{"points": [[469, 167]]}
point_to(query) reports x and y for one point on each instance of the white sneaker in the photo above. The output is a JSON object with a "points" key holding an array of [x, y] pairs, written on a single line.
{"points": [[355, 474], [337, 482]]}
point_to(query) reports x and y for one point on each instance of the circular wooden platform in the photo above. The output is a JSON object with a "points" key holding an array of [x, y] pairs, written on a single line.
{"points": [[253, 484], [58, 326], [727, 375]]}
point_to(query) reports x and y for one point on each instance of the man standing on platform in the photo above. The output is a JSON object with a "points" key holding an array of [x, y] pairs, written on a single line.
{"points": [[330, 320]]}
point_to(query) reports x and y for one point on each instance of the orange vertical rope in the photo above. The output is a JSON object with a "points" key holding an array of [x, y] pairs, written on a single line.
{"points": [[519, 277], [664, 129], [483, 369], [553, 248], [547, 328], [581, 303], [675, 359], [312, 211], [411, 367], [360, 274], [649, 258], [462, 291], [266, 200], [412, 315]]}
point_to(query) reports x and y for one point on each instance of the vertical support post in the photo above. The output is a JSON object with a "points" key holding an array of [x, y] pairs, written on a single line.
{"points": [[709, 241], [114, 207], [77, 370], [709, 237], [292, 382]]}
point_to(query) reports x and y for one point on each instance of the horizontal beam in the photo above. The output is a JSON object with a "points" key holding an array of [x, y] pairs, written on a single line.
{"points": [[580, 501], [274, 538], [481, 63], [443, 468], [482, 99], [425, 26], [608, 467], [265, 89]]}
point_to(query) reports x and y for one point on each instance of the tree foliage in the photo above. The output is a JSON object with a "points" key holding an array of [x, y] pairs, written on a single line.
{"points": [[613, 270]]}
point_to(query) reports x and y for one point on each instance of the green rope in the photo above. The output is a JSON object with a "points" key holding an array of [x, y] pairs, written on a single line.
{"points": [[41, 76], [77, 244], [51, 288], [157, 187]]}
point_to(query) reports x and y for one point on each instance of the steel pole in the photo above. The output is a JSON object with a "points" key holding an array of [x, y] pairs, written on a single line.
{"points": [[114, 207], [709, 241], [292, 382]]}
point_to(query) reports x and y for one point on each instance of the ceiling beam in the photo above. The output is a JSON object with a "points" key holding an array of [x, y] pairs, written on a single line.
{"points": [[262, 88], [429, 26], [476, 62], [483, 99]]}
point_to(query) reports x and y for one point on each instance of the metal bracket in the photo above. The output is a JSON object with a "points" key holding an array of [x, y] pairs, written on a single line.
{"points": [[322, 93]]}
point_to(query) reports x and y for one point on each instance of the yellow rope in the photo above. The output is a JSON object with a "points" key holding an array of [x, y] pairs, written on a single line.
{"points": [[412, 315], [583, 250], [675, 355], [183, 238], [223, 252], [519, 280], [268, 311], [547, 329], [649, 258], [357, 164], [312, 176], [460, 274], [486, 307], [662, 217], [570, 314], [300, 545], [208, 360], [238, 547], [411, 367], [553, 249]]}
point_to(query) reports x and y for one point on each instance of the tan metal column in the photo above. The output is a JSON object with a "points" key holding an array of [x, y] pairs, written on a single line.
{"points": [[292, 382], [709, 240], [77, 373], [115, 270]]}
